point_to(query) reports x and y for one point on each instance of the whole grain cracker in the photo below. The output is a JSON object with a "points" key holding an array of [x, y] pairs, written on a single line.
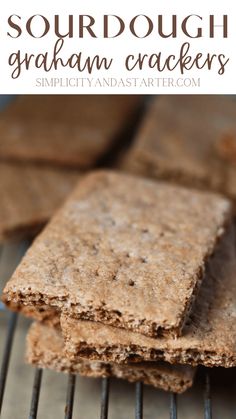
{"points": [[67, 130], [209, 337], [118, 250], [29, 197], [190, 140], [45, 350]]}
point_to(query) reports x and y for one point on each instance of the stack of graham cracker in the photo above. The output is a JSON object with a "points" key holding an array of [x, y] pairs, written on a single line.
{"points": [[47, 143], [131, 278]]}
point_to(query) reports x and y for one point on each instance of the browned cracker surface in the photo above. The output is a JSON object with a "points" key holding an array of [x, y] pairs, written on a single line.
{"points": [[189, 140], [65, 130], [124, 251], [45, 349], [29, 196], [209, 338]]}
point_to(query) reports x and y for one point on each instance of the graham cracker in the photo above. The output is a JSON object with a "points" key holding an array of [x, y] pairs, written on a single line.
{"points": [[209, 337], [29, 197], [189, 140], [45, 350], [117, 252], [67, 130]]}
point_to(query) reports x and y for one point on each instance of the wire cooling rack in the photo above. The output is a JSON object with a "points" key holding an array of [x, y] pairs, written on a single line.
{"points": [[107, 388]]}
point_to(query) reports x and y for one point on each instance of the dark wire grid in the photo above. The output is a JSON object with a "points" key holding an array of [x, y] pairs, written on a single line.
{"points": [[11, 327], [70, 396], [207, 397], [139, 401], [105, 398], [35, 393], [173, 406]]}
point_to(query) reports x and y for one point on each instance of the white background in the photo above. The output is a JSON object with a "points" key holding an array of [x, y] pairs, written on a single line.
{"points": [[118, 48]]}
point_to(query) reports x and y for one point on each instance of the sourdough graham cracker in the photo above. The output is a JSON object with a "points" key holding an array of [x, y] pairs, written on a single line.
{"points": [[45, 350], [209, 337], [118, 251], [190, 140], [64, 130], [29, 196]]}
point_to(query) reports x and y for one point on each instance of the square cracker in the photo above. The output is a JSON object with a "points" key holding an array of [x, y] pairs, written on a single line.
{"points": [[190, 140], [45, 350], [119, 249], [29, 197], [64, 130], [209, 337]]}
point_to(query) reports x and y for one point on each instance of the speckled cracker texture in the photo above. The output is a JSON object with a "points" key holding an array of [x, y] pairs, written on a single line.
{"points": [[29, 197], [123, 251], [209, 337], [189, 140], [64, 130], [45, 350]]}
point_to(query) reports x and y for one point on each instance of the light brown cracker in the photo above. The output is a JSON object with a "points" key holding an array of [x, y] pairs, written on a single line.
{"points": [[118, 251], [45, 349], [209, 338], [64, 130], [190, 140], [29, 197]]}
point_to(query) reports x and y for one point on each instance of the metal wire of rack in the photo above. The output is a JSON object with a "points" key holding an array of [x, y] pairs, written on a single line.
{"points": [[71, 386]]}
